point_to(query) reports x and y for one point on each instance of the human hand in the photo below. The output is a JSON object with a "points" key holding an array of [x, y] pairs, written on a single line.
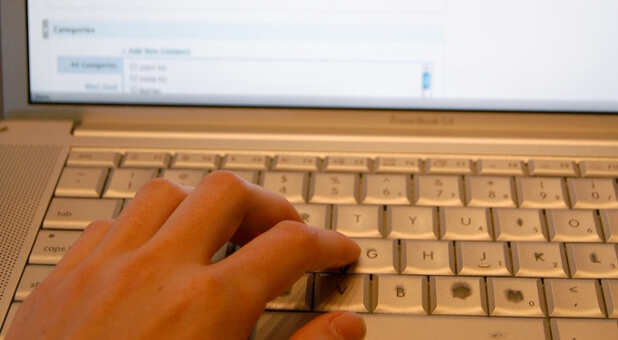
{"points": [[148, 274]]}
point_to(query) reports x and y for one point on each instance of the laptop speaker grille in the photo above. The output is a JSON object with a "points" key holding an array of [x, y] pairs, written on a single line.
{"points": [[24, 174]]}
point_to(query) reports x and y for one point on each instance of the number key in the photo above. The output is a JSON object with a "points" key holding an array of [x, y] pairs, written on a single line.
{"points": [[589, 193], [536, 192]]}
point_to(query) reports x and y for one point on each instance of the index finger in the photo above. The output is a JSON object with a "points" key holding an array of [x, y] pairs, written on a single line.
{"points": [[273, 261], [221, 206]]}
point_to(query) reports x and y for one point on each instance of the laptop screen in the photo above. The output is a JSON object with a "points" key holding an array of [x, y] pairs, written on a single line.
{"points": [[528, 55]]}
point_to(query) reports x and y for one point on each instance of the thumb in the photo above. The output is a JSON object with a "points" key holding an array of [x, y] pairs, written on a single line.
{"points": [[333, 326]]}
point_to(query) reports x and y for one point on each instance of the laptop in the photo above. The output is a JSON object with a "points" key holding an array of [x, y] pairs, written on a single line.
{"points": [[422, 117]]}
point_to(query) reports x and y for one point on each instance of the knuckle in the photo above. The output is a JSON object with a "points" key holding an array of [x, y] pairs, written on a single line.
{"points": [[160, 184], [229, 181], [300, 234], [162, 187], [96, 225], [226, 177]]}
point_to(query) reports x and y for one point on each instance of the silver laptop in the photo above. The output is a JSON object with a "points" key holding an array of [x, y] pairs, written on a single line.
{"points": [[469, 147]]}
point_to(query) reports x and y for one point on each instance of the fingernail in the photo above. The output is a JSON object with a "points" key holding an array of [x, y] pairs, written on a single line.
{"points": [[349, 326]]}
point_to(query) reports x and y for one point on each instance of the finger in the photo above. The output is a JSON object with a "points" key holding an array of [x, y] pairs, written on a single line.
{"points": [[336, 326], [213, 213], [84, 246], [276, 259], [145, 214]]}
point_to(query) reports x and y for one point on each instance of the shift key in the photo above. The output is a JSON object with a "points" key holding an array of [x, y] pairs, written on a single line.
{"points": [[78, 213]]}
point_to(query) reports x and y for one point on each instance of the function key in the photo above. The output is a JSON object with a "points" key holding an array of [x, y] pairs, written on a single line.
{"points": [[398, 165], [599, 168], [501, 167], [146, 160], [94, 159], [449, 166], [245, 162], [348, 164], [296, 163], [549, 167], [188, 160]]}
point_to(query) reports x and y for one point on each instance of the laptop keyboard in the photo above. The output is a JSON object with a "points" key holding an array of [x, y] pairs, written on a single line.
{"points": [[451, 246]]}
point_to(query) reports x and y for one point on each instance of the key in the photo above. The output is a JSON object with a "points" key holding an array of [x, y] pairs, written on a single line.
{"points": [[291, 185], [574, 298], [400, 294], [189, 160], [516, 297], [470, 224], [190, 178], [296, 163], [427, 257], [358, 220], [610, 292], [539, 259], [569, 329], [376, 257], [405, 222], [386, 189], [347, 164], [275, 325], [449, 166], [592, 260], [573, 226], [341, 292], [146, 160], [51, 245], [609, 219], [405, 165], [297, 297], [335, 188], [501, 167], [10, 316], [315, 215], [100, 159], [245, 162], [483, 259], [81, 182], [548, 167], [599, 168], [519, 225], [490, 192], [124, 183], [437, 190], [589, 193], [457, 296], [541, 193], [78, 213], [31, 278]]}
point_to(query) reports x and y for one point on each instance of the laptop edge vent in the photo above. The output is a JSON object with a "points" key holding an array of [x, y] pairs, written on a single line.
{"points": [[25, 171]]}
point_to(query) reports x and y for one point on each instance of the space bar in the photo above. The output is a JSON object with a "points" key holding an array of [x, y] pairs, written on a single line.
{"points": [[278, 325]]}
